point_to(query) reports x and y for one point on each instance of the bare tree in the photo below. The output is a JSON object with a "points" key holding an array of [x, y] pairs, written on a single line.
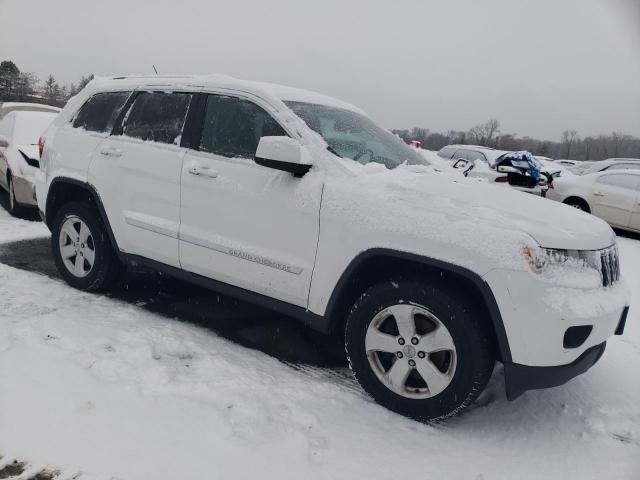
{"points": [[484, 134], [569, 139]]}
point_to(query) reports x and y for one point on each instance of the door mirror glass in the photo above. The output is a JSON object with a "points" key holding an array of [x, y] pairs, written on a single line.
{"points": [[281, 153], [4, 142]]}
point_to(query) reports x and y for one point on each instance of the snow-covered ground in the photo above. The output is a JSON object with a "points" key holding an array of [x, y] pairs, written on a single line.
{"points": [[105, 388]]}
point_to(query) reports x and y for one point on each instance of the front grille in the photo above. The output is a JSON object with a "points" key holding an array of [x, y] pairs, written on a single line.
{"points": [[609, 266]]}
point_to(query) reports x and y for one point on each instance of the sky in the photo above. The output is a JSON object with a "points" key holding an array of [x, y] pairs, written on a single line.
{"points": [[538, 66]]}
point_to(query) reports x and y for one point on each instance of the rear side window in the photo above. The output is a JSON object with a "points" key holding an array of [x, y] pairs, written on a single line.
{"points": [[233, 127], [157, 117], [630, 182], [624, 166], [447, 152], [100, 112]]}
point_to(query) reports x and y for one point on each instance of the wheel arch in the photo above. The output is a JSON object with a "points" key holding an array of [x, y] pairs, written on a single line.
{"points": [[578, 198], [379, 264], [63, 190]]}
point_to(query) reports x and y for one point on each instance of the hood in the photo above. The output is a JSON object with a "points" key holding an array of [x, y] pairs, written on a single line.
{"points": [[491, 207]]}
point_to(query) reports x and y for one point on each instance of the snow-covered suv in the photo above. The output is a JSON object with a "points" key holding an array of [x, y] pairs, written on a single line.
{"points": [[301, 203]]}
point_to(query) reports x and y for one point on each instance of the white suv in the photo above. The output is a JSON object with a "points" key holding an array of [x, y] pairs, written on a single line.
{"points": [[301, 203]]}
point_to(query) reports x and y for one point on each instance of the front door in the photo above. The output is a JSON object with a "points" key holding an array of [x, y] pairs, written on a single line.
{"points": [[241, 223], [613, 198], [138, 167]]}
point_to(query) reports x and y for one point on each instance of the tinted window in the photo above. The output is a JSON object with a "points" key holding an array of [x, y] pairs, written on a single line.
{"points": [[157, 117], [100, 112], [623, 181], [447, 152], [233, 127], [624, 166]]}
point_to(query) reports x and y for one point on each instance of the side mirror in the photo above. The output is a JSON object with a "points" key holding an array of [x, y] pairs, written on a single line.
{"points": [[508, 169], [281, 153], [4, 143], [461, 163]]}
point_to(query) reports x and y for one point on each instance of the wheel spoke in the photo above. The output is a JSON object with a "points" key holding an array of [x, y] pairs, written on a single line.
{"points": [[70, 231], [377, 341], [397, 375], [67, 251], [434, 378], [84, 232], [79, 265], [403, 315], [435, 341], [89, 255]]}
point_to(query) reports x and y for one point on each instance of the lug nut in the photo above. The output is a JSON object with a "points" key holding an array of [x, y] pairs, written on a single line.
{"points": [[412, 363], [414, 340], [401, 341], [421, 354], [399, 354]]}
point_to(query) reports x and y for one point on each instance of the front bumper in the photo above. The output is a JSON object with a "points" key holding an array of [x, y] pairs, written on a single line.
{"points": [[520, 378]]}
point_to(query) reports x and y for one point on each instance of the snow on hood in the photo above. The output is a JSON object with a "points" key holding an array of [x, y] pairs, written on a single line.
{"points": [[460, 212]]}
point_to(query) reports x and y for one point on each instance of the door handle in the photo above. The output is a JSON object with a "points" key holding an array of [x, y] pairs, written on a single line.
{"points": [[598, 194], [201, 171], [111, 152]]}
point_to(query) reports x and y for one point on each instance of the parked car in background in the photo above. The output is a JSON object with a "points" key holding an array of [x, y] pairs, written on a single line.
{"points": [[485, 163], [7, 107], [551, 167], [613, 195], [566, 163], [302, 203], [20, 131], [612, 164]]}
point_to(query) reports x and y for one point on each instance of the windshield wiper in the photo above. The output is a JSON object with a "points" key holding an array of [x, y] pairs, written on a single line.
{"points": [[330, 148]]}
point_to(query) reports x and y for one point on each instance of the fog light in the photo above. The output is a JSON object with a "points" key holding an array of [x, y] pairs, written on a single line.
{"points": [[576, 336]]}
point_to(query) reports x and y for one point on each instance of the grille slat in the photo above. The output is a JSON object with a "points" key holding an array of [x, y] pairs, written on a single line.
{"points": [[609, 266]]}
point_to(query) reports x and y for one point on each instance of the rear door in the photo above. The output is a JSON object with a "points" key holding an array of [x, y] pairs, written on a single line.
{"points": [[634, 222], [614, 197], [137, 172]]}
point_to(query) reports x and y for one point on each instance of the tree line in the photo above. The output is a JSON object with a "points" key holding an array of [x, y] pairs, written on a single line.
{"points": [[19, 86], [571, 145]]}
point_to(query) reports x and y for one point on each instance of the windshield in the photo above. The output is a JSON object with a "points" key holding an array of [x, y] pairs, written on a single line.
{"points": [[354, 136]]}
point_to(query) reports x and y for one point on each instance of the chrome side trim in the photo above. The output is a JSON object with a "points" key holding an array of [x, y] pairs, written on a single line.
{"points": [[140, 221], [235, 252]]}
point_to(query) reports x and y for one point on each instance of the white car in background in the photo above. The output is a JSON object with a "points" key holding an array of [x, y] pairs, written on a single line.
{"points": [[613, 195], [612, 164], [483, 163], [19, 155], [7, 107]]}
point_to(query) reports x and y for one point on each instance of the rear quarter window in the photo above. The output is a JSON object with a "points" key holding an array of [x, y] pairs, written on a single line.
{"points": [[99, 112]]}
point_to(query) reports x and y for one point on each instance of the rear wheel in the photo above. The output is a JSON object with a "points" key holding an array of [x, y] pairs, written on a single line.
{"points": [[418, 350], [82, 249]]}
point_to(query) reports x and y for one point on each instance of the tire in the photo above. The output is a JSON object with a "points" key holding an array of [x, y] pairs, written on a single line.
{"points": [[14, 208], [467, 366], [96, 276], [578, 203]]}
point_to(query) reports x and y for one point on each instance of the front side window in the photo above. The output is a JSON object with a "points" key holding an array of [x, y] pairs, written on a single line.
{"points": [[352, 135], [629, 182], [233, 127], [157, 117], [100, 112]]}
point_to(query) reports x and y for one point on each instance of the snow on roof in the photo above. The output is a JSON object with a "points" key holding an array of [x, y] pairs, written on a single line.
{"points": [[220, 81]]}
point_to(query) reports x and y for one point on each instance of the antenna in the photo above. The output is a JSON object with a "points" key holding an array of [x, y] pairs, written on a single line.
{"points": [[155, 69]]}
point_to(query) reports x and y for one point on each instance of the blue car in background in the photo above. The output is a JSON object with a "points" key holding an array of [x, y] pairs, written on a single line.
{"points": [[519, 170]]}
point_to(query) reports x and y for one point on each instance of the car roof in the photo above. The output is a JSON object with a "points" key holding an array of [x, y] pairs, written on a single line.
{"points": [[219, 81]]}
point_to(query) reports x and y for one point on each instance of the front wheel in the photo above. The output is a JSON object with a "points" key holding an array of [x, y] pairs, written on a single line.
{"points": [[418, 350], [82, 249]]}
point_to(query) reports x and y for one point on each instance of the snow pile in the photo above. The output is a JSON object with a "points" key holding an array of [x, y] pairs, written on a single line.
{"points": [[93, 385]]}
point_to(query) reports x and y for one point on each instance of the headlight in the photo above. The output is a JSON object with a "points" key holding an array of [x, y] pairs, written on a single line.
{"points": [[571, 268]]}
